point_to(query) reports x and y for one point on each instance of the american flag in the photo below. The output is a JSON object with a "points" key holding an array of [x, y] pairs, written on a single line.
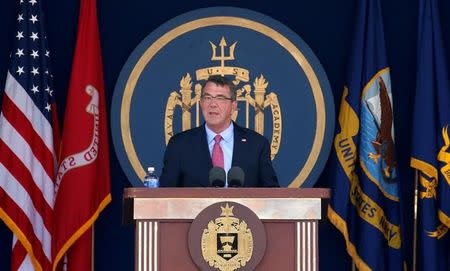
{"points": [[28, 132]]}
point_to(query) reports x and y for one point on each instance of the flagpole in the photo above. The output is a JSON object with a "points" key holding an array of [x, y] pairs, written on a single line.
{"points": [[93, 248], [416, 199]]}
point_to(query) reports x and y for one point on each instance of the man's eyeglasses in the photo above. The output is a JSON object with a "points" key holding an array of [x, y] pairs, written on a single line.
{"points": [[218, 99]]}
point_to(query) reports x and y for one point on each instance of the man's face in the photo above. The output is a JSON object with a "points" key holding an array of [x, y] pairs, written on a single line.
{"points": [[217, 106]]}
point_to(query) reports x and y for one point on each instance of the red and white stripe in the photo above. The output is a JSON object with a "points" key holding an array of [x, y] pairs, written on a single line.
{"points": [[27, 164]]}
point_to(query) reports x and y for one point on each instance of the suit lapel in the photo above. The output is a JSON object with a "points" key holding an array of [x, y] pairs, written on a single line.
{"points": [[239, 148], [204, 150]]}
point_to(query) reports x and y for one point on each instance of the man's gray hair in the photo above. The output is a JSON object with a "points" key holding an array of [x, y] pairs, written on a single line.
{"points": [[221, 81]]}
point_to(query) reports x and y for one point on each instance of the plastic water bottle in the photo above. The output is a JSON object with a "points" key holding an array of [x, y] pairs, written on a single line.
{"points": [[151, 179]]}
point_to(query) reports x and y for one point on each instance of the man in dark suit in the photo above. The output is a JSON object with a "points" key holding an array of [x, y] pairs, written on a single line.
{"points": [[219, 142]]}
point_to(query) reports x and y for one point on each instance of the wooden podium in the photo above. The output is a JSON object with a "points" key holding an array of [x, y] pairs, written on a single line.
{"points": [[163, 215]]}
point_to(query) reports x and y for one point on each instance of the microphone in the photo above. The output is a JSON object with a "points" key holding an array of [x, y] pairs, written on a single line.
{"points": [[217, 177], [236, 177]]}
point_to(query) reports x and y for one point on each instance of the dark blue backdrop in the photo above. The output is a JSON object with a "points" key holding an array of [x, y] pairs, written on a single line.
{"points": [[326, 25]]}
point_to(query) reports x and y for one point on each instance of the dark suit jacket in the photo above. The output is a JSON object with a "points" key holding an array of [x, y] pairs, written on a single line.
{"points": [[187, 160]]}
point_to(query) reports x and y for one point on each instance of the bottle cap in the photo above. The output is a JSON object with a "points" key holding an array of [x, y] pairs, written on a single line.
{"points": [[151, 169]]}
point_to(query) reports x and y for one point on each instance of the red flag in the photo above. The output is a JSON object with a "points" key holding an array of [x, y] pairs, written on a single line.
{"points": [[83, 178], [28, 134]]}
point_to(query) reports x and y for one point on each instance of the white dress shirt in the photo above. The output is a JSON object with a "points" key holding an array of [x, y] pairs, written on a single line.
{"points": [[226, 144]]}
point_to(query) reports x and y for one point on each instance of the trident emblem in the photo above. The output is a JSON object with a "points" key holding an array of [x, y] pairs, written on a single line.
{"points": [[222, 58], [183, 98]]}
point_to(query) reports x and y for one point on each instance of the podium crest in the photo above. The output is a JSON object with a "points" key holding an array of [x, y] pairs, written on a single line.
{"points": [[227, 236], [227, 243]]}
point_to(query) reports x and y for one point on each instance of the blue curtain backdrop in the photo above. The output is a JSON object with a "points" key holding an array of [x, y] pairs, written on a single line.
{"points": [[326, 25]]}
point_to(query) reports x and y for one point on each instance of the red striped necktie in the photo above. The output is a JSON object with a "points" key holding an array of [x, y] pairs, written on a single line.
{"points": [[217, 153]]}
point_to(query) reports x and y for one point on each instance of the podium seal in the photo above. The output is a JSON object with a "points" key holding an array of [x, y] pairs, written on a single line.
{"points": [[227, 236]]}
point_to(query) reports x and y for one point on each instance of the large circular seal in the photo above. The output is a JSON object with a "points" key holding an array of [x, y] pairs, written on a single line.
{"points": [[283, 91]]}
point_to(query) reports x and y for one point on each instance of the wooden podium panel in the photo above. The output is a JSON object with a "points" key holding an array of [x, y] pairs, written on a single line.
{"points": [[163, 217]]}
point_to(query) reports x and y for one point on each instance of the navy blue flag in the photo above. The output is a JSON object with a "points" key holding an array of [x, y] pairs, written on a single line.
{"points": [[28, 143], [365, 203], [430, 154]]}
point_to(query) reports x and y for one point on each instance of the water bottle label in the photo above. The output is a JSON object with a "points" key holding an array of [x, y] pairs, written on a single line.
{"points": [[152, 183]]}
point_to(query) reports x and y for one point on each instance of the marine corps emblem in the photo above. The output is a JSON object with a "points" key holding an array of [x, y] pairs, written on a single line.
{"points": [[227, 243]]}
